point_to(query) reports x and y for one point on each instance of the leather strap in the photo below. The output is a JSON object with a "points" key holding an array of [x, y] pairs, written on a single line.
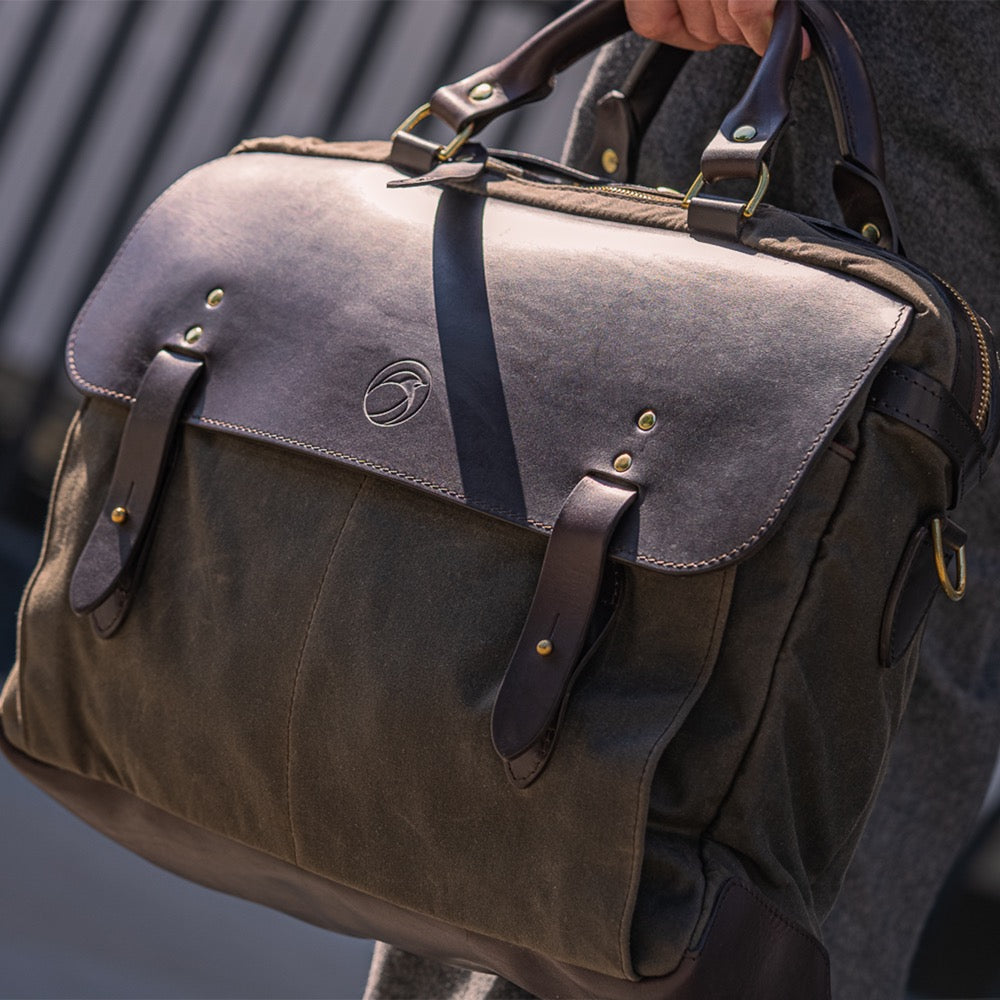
{"points": [[107, 570], [924, 404], [622, 117], [530, 700], [526, 75], [621, 121], [764, 107]]}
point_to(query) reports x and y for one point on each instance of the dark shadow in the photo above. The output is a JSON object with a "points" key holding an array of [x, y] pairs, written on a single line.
{"points": [[480, 422]]}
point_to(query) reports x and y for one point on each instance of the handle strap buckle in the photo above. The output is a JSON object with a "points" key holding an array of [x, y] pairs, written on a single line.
{"points": [[445, 152], [763, 179]]}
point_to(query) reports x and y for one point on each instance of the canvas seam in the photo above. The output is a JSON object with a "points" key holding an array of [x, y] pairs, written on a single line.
{"points": [[298, 670], [725, 592]]}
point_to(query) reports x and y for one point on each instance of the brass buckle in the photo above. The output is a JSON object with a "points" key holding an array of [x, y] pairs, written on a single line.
{"points": [[954, 592], [443, 152], [763, 179]]}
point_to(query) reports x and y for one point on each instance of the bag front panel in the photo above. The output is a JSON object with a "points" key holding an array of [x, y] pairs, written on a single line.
{"points": [[309, 667]]}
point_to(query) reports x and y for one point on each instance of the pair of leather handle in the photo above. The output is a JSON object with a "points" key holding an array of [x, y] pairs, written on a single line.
{"points": [[527, 75]]}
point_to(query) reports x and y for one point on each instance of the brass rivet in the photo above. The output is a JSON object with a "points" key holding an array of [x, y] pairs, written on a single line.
{"points": [[871, 232], [481, 92], [193, 335], [544, 648], [623, 462], [119, 515], [744, 133], [214, 297], [609, 160], [647, 420]]}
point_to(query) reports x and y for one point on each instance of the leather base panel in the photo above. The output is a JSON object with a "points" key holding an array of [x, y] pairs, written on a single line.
{"points": [[748, 951]]}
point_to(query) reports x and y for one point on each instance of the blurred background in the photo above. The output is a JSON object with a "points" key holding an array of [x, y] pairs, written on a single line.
{"points": [[103, 103]]}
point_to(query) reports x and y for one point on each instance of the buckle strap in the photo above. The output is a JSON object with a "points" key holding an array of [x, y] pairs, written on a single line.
{"points": [[108, 569], [551, 648], [924, 404]]}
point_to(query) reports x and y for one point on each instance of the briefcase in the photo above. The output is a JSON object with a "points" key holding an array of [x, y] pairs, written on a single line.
{"points": [[523, 568]]}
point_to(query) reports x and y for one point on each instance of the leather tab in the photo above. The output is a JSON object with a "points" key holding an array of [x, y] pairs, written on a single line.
{"points": [[927, 406], [411, 153], [622, 117], [526, 74], [105, 572], [765, 106], [864, 201], [537, 682], [469, 164], [721, 218]]}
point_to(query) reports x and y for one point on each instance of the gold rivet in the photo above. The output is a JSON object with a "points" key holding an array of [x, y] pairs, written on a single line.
{"points": [[623, 462], [609, 160], [214, 297], [193, 335], [481, 92], [871, 232], [544, 648], [119, 515], [647, 420], [744, 133]]}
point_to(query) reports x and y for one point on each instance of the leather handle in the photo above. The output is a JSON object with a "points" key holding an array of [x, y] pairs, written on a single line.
{"points": [[527, 75]]}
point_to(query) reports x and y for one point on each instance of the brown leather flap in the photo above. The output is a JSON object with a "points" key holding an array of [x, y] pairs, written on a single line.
{"points": [[489, 352]]}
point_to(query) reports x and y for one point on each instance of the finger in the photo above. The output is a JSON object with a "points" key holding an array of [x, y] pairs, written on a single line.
{"points": [[662, 22], [700, 21], [754, 19], [726, 26]]}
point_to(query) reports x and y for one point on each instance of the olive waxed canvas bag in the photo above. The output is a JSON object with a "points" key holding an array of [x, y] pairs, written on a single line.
{"points": [[525, 569]]}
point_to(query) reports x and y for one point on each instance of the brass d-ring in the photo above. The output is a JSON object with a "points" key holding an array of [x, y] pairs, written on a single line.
{"points": [[763, 179], [443, 152], [954, 592]]}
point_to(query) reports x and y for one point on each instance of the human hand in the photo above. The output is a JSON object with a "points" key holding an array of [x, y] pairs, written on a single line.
{"points": [[705, 24]]}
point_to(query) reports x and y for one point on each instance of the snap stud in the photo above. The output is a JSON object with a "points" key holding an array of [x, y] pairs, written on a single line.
{"points": [[193, 334], [214, 297], [623, 462], [609, 160], [646, 421], [119, 515], [544, 648], [871, 232]]}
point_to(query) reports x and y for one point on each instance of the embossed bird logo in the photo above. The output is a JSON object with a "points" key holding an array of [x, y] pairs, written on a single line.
{"points": [[396, 393]]}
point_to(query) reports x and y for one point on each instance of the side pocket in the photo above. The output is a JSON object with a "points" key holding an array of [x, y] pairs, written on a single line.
{"points": [[806, 785], [699, 771]]}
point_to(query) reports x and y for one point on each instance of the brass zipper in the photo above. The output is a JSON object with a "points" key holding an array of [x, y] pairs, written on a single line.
{"points": [[982, 409], [666, 196]]}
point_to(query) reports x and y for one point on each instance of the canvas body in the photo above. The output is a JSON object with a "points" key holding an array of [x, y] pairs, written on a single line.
{"points": [[295, 703]]}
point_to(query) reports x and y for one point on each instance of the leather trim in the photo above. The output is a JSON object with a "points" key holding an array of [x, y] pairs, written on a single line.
{"points": [[535, 686], [108, 566], [718, 218], [749, 949], [924, 404]]}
